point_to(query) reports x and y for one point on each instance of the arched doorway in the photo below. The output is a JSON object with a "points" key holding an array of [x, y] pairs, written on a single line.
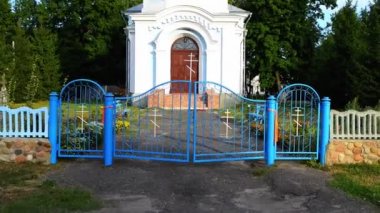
{"points": [[184, 63]]}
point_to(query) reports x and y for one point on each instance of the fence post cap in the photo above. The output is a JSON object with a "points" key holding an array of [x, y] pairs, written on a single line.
{"points": [[326, 99], [53, 94], [108, 94], [271, 98]]}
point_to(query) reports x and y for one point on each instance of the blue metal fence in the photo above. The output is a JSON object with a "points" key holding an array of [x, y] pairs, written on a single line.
{"points": [[183, 121]]}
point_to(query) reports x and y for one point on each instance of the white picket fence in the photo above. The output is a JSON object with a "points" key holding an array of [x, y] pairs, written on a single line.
{"points": [[353, 124], [24, 122]]}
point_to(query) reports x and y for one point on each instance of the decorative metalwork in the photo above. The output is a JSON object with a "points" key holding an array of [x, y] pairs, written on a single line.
{"points": [[185, 43], [298, 123], [202, 122], [213, 125], [226, 126], [80, 121], [154, 125]]}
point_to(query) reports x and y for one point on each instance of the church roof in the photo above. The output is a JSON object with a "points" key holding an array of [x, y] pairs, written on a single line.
{"points": [[234, 9], [231, 8], [135, 9]]}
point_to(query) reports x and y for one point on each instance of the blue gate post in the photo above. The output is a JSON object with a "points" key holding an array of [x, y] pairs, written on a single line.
{"points": [[325, 129], [53, 122], [108, 129], [270, 151]]}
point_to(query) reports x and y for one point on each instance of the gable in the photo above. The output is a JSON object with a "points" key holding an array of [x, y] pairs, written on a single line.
{"points": [[139, 9]]}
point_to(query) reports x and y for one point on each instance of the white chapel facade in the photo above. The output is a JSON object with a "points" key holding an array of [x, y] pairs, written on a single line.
{"points": [[197, 40]]}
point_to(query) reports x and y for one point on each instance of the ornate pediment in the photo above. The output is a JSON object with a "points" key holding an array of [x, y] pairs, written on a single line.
{"points": [[184, 17], [213, 6]]}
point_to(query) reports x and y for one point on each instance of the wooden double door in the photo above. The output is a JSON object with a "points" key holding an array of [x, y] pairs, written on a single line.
{"points": [[184, 64]]}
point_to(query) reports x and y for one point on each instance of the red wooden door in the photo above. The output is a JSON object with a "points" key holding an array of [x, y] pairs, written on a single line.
{"points": [[184, 64]]}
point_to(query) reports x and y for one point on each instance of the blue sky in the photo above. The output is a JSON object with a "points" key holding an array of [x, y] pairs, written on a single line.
{"points": [[361, 4]]}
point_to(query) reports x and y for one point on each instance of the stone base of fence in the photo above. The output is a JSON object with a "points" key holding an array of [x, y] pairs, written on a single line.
{"points": [[353, 151], [21, 150]]}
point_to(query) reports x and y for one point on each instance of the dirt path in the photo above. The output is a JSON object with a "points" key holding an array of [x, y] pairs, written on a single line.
{"points": [[135, 186]]}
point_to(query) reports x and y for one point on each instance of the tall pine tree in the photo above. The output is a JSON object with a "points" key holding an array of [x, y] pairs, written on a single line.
{"points": [[46, 61], [5, 35], [341, 58], [24, 62], [371, 90]]}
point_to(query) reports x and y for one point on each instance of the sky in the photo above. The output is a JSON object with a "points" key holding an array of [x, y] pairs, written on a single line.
{"points": [[361, 4]]}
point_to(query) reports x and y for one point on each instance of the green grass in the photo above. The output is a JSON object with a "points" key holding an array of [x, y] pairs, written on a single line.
{"points": [[315, 165], [22, 189], [259, 169], [359, 180], [259, 172], [19, 175], [34, 105]]}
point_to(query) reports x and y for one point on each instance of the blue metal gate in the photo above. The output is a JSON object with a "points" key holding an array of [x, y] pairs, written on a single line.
{"points": [[183, 121], [203, 124], [226, 126], [80, 127], [155, 125], [298, 108]]}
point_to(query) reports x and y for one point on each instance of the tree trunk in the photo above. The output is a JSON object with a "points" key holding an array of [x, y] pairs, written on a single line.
{"points": [[278, 81]]}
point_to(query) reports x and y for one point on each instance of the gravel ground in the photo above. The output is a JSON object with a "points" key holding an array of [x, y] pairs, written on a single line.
{"points": [[138, 186]]}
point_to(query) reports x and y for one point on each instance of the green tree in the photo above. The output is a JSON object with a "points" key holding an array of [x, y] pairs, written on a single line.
{"points": [[5, 34], [26, 14], [341, 58], [36, 63], [91, 38], [46, 62], [282, 36], [23, 63], [370, 94]]}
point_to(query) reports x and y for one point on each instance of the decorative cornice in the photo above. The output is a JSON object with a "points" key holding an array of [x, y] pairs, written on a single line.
{"points": [[184, 17]]}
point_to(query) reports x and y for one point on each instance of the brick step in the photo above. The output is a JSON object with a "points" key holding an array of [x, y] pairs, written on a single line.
{"points": [[181, 100]]}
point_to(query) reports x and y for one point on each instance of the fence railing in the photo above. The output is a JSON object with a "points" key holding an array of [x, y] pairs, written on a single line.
{"points": [[24, 122], [352, 124]]}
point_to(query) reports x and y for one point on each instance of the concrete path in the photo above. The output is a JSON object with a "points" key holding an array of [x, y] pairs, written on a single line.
{"points": [[135, 186]]}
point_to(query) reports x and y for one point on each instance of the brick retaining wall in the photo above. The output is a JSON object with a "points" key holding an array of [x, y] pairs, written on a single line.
{"points": [[20, 150], [353, 151]]}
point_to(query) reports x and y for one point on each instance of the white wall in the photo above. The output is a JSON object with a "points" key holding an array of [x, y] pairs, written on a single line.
{"points": [[218, 37], [213, 6]]}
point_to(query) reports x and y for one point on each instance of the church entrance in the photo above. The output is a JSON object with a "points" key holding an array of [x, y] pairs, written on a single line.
{"points": [[184, 64]]}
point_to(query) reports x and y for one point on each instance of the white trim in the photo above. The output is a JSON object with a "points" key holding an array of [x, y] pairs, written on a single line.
{"points": [[163, 46]]}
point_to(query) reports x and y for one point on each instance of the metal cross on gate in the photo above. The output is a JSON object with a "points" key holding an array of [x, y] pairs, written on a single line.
{"points": [[82, 116], [191, 69], [154, 122], [227, 122], [297, 121]]}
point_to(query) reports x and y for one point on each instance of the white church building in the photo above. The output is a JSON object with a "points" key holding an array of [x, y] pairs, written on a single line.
{"points": [[197, 40]]}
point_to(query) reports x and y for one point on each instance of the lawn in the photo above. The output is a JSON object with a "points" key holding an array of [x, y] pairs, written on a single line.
{"points": [[359, 180], [23, 189], [34, 105]]}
